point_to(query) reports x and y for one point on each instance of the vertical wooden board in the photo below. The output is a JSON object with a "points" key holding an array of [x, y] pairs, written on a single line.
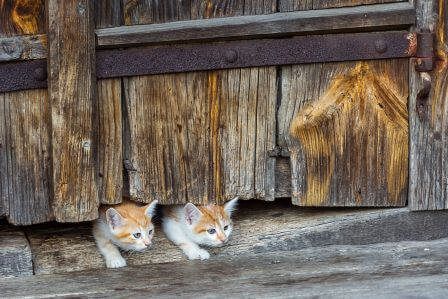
{"points": [[108, 13], [110, 155], [349, 122], [294, 5], [205, 136], [26, 156], [19, 17], [24, 147], [72, 94], [197, 140], [429, 117]]}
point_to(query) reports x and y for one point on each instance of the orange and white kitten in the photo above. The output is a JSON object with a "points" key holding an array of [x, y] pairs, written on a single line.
{"points": [[190, 226], [127, 226]]}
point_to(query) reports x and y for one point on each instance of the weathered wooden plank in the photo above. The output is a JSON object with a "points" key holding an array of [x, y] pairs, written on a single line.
{"points": [[108, 13], [19, 17], [197, 140], [294, 5], [110, 153], [15, 253], [350, 128], [394, 270], [72, 95], [23, 47], [260, 227], [25, 161], [202, 137], [428, 117], [24, 120], [362, 18], [110, 141]]}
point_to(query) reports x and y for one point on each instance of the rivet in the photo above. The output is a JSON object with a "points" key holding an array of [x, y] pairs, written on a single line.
{"points": [[40, 74], [231, 56], [380, 46]]}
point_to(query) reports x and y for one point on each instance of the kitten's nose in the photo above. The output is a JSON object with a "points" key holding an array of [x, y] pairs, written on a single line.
{"points": [[147, 242]]}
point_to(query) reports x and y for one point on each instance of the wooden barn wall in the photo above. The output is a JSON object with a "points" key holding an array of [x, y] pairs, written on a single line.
{"points": [[243, 114]]}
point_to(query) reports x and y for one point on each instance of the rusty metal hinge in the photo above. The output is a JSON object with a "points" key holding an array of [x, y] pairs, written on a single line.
{"points": [[425, 51]]}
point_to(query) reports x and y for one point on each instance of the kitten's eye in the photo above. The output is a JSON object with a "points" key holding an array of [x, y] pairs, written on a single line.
{"points": [[150, 232], [226, 227], [211, 231], [137, 235]]}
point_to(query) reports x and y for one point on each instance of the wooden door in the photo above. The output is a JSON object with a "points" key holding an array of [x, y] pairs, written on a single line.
{"points": [[327, 133]]}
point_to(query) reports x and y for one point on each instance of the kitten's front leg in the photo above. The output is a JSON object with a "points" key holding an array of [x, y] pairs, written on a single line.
{"points": [[177, 236], [193, 251], [111, 254]]}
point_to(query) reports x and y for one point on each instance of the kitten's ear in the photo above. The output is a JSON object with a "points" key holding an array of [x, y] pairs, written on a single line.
{"points": [[113, 218], [192, 213], [150, 209], [230, 206]]}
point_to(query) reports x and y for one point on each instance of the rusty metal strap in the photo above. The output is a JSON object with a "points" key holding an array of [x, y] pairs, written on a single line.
{"points": [[225, 55]]}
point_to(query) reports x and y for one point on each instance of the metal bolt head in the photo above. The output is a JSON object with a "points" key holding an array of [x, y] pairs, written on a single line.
{"points": [[380, 46], [231, 56], [40, 74]]}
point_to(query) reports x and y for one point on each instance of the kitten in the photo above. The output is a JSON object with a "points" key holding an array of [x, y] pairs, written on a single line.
{"points": [[127, 226], [189, 226]]}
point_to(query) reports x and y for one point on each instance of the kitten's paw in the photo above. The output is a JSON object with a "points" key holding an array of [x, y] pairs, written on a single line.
{"points": [[116, 263], [198, 254]]}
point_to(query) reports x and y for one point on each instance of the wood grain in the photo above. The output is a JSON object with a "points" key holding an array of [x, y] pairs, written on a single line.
{"points": [[428, 152], [350, 146], [200, 137], [25, 153], [72, 93], [19, 17], [108, 13], [23, 47], [15, 253], [260, 227], [405, 269], [362, 18], [25, 159], [110, 141], [294, 5]]}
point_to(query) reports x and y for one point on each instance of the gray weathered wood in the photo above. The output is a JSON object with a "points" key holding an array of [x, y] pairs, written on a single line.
{"points": [[393, 270], [25, 153], [362, 18], [350, 128], [110, 141], [23, 47], [428, 186], [15, 253], [72, 87], [209, 133], [293, 5], [260, 227]]}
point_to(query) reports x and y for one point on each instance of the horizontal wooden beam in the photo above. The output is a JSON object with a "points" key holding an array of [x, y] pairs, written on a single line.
{"points": [[23, 47], [360, 18]]}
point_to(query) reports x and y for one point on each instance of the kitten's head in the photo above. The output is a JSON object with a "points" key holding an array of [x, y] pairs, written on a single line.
{"points": [[210, 225], [131, 225]]}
